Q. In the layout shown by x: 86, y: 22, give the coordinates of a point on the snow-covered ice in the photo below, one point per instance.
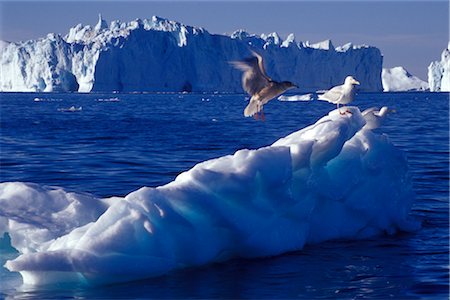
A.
x: 398, y: 79
x: 335, y: 179
x: 40, y: 214
x: 439, y: 73
x: 375, y: 117
x: 161, y: 55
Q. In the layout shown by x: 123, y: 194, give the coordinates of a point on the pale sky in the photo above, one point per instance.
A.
x: 408, y: 33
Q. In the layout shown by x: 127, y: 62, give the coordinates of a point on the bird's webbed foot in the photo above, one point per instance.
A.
x: 345, y: 112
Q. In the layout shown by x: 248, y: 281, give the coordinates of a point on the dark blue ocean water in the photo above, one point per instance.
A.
x: 118, y: 143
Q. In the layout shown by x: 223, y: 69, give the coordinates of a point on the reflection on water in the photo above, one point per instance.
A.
x: 379, y: 268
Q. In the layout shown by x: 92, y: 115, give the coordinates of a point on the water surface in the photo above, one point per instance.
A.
x: 118, y: 143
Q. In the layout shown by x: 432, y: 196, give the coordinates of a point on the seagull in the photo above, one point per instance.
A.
x: 374, y: 117
x: 341, y: 94
x: 258, y: 85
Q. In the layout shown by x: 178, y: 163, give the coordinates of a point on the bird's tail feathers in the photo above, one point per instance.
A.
x: 251, y: 109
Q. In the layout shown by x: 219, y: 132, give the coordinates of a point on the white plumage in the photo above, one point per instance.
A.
x: 341, y: 94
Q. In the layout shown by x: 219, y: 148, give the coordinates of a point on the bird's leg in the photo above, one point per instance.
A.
x: 263, y: 117
x: 341, y: 113
x: 256, y: 115
x: 346, y: 111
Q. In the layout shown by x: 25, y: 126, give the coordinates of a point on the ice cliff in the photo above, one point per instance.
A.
x: 335, y: 179
x: 161, y: 55
x: 439, y: 73
x: 399, y: 79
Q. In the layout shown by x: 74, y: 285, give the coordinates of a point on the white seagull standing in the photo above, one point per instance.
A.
x: 258, y: 85
x: 341, y: 94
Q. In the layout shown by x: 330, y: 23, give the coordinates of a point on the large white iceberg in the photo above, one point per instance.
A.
x: 398, y: 79
x: 161, y: 55
x: 336, y: 179
x: 439, y: 73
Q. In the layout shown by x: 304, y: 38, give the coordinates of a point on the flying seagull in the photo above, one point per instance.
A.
x: 258, y: 85
x: 341, y: 94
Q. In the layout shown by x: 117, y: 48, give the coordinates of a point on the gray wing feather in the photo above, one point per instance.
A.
x: 254, y: 78
x: 261, y: 66
x: 332, y: 95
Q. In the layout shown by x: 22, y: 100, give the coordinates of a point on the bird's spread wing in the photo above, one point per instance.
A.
x: 332, y: 95
x: 261, y: 66
x: 254, y: 78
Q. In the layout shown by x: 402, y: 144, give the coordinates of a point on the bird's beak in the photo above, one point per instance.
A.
x: 356, y: 82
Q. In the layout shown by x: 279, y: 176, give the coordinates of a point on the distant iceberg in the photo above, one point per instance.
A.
x: 161, y: 55
x: 439, y: 73
x: 335, y: 179
x: 398, y: 79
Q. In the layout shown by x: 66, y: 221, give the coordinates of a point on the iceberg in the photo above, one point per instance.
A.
x: 398, y: 79
x: 439, y: 73
x: 335, y: 179
x: 158, y: 55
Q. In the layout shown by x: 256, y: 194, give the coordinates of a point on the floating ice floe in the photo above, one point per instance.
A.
x: 38, y: 99
x: 112, y: 99
x: 334, y: 179
x: 71, y: 109
x: 305, y: 97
